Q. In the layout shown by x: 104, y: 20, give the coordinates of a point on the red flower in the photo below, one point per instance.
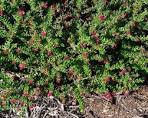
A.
x: 108, y: 96
x: 30, y: 82
x: 22, y: 66
x: 45, y: 5
x: 43, y: 33
x: 97, y: 40
x: 94, y: 33
x: 49, y: 53
x: 49, y: 94
x: 1, y: 13
x: 126, y: 93
x: 13, y: 101
x: 102, y: 17
x: 21, y: 11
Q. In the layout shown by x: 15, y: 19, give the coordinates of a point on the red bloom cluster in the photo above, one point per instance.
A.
x: 1, y: 13
x: 30, y: 82
x: 13, y: 101
x: 21, y: 11
x: 45, y: 5
x: 22, y: 66
x: 49, y: 53
x: 108, y: 96
x: 102, y: 17
x: 43, y: 33
x: 49, y: 94
x: 94, y: 33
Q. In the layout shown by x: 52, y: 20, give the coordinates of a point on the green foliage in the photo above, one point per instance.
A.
x: 55, y: 44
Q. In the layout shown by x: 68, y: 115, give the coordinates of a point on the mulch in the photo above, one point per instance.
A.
x: 135, y: 105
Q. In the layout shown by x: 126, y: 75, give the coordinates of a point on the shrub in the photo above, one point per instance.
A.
x: 71, y: 45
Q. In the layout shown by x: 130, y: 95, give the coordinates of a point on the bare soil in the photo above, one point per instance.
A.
x: 135, y: 105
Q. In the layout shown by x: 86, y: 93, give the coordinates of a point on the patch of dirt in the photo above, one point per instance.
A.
x: 135, y: 105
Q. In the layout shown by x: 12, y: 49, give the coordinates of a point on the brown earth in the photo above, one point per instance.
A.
x: 135, y: 105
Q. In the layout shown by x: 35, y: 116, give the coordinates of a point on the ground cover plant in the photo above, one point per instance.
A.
x: 62, y: 47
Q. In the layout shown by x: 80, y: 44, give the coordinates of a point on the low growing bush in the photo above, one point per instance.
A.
x: 71, y: 47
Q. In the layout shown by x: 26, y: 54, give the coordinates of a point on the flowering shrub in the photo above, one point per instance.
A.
x: 71, y: 47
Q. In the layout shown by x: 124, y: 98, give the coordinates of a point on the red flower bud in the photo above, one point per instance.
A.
x: 126, y: 93
x: 1, y: 13
x: 94, y: 33
x: 21, y: 12
x: 22, y: 66
x: 97, y: 41
x: 108, y: 96
x: 45, y: 5
x: 49, y: 94
x: 102, y: 17
x: 13, y: 101
x: 49, y: 53
x: 43, y: 33
x: 30, y: 82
